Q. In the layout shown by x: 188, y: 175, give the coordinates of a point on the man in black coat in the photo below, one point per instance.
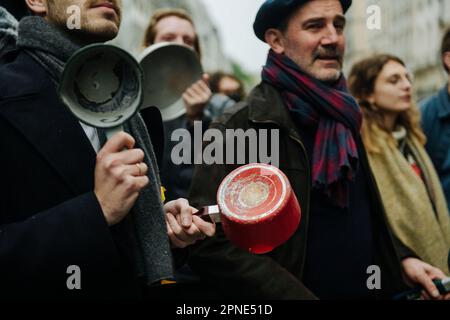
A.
x: 66, y: 202
x: 343, y: 235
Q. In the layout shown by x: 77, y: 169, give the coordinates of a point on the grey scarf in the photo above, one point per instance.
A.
x: 8, y: 30
x: 146, y: 232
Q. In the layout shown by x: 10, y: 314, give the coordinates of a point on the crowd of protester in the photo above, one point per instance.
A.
x: 369, y: 166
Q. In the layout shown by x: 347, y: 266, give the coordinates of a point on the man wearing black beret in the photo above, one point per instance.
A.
x: 343, y: 232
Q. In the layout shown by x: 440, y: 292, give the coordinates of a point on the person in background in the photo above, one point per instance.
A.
x: 435, y: 115
x: 227, y: 90
x: 410, y: 189
x: 176, y: 26
x: 227, y: 84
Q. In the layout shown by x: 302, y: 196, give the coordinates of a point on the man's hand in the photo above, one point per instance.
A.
x: 420, y: 273
x: 119, y: 177
x: 183, y: 227
x: 196, y: 97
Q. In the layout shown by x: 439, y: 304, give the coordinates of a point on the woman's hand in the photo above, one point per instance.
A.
x: 420, y: 273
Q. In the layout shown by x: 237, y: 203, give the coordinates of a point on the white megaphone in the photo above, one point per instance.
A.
x: 169, y: 69
x: 102, y: 86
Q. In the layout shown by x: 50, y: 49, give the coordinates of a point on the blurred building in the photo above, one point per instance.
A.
x: 410, y: 29
x: 136, y: 17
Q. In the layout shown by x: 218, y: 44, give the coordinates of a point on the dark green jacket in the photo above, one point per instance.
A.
x: 277, y: 275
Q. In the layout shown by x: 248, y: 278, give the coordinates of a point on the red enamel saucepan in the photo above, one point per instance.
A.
x: 257, y: 208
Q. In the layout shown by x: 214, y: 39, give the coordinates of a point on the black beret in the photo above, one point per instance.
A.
x: 273, y: 12
x: 18, y: 8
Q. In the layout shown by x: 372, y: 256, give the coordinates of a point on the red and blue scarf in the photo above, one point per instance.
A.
x: 335, y: 114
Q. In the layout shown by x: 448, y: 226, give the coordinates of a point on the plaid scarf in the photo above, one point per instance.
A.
x: 335, y: 114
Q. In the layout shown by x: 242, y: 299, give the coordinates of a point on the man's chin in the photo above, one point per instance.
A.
x: 102, y: 33
x: 328, y: 75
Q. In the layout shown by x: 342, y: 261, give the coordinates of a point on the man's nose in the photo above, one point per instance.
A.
x: 330, y: 36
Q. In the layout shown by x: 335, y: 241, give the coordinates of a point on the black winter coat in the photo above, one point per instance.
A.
x: 50, y: 218
x: 278, y: 275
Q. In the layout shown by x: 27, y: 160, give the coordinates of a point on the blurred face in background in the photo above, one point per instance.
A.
x: 100, y: 19
x: 231, y: 88
x: 176, y: 30
x: 393, y: 89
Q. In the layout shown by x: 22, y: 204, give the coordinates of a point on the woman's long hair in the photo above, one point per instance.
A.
x: 362, y: 84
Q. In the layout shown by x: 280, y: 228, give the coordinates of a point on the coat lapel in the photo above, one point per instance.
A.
x: 56, y: 134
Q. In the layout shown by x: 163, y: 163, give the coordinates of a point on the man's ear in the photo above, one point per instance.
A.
x: 275, y: 40
x: 446, y: 59
x: 38, y: 7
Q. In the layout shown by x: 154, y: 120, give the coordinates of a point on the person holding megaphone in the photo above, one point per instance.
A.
x: 68, y: 202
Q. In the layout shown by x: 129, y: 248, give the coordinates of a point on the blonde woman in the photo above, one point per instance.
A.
x: 410, y: 189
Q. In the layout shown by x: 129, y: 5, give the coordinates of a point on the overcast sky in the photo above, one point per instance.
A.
x: 234, y: 20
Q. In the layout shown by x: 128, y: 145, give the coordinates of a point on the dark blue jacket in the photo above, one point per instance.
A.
x: 436, y: 125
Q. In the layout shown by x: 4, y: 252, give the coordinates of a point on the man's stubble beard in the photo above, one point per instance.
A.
x: 315, y: 72
x: 89, y: 33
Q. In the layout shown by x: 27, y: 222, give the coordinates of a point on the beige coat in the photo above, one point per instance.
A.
x: 417, y: 211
